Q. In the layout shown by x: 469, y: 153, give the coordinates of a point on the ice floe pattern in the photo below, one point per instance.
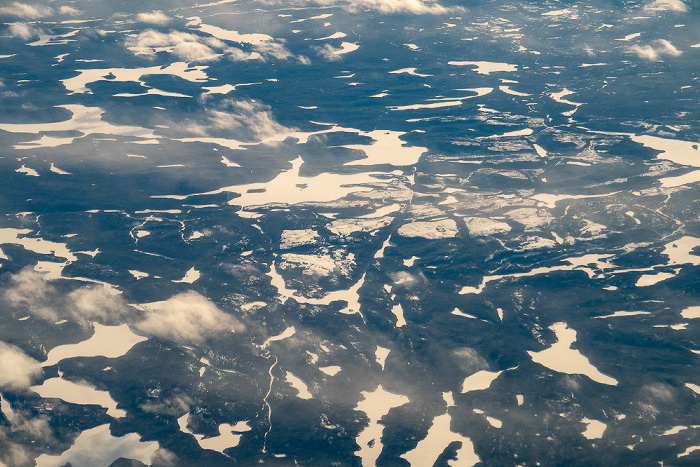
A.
x: 349, y: 233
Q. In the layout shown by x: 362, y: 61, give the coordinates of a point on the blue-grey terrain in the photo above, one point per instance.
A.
x: 349, y: 233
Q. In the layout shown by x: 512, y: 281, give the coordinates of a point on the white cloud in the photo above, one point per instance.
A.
x: 666, y: 5
x: 405, y: 278
x: 254, y: 116
x: 656, y: 51
x: 23, y: 30
x: 645, y: 51
x: 30, y: 430
x: 68, y: 10
x: 263, y: 46
x: 238, y: 55
x: 96, y: 303
x: 15, y: 454
x: 145, y: 42
x: 29, y: 291
x: 174, y: 406
x: 16, y: 368
x: 196, y: 47
x: 660, y: 391
x: 163, y: 457
x: 469, y: 360
x: 186, y: 318
x: 195, y: 52
x: 272, y: 49
x: 26, y: 11
x: 329, y: 52
x: 154, y: 17
x: 241, y: 120
x: 190, y: 47
x: 417, y: 7
x: 36, y: 427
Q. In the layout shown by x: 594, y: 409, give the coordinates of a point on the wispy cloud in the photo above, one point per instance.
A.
x: 17, y: 369
x: 257, y: 118
x: 187, y: 46
x: 203, y: 46
x: 22, y: 10
x: 666, y: 5
x: 97, y: 303
x: 173, y: 406
x: 27, y: 428
x: 243, y: 120
x: 164, y: 457
x: 195, y: 52
x: 154, y: 17
x: 329, y: 52
x: 29, y: 291
x: 186, y: 318
x: 272, y: 49
x: 469, y: 360
x: 656, y: 51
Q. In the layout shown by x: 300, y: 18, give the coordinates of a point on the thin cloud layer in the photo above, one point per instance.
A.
x: 23, y: 10
x: 17, y: 369
x: 186, y: 318
x: 655, y: 52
